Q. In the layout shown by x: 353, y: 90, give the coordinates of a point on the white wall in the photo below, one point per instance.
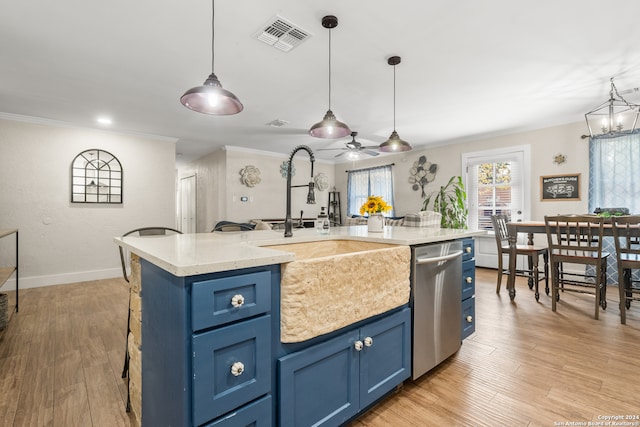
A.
x: 220, y: 189
x: 544, y: 143
x: 63, y: 242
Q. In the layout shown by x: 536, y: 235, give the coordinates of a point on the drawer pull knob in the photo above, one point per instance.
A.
x: 358, y: 345
x: 468, y: 249
x: 469, y: 319
x: 237, y: 300
x: 368, y: 341
x: 237, y: 369
x: 469, y: 279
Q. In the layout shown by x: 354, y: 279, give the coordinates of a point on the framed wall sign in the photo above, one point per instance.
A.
x: 560, y: 187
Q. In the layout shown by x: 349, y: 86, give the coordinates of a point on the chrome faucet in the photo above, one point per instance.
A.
x: 311, y: 198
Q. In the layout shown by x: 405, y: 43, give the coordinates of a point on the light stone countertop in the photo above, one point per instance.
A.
x: 191, y: 254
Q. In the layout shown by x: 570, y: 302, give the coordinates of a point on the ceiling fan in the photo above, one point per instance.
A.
x: 353, y: 148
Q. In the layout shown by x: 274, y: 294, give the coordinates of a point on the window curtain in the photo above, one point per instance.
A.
x: 614, y: 182
x: 614, y: 172
x: 362, y: 183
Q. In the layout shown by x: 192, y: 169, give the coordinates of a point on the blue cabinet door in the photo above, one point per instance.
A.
x: 319, y: 385
x: 468, y: 317
x: 385, y: 360
x: 468, y: 279
x: 231, y: 366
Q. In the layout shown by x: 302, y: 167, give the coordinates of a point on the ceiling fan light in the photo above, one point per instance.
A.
x: 329, y: 127
x: 211, y: 98
x: 394, y: 144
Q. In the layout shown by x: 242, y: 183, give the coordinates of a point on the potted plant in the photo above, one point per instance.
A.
x: 450, y: 202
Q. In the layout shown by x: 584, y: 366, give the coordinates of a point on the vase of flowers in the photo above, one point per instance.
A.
x: 374, y: 207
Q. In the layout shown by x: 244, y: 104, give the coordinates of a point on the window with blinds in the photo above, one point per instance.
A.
x: 362, y: 183
x: 495, y: 183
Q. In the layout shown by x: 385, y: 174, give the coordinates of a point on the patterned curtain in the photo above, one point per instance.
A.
x: 614, y: 172
x: 363, y: 183
x: 614, y: 181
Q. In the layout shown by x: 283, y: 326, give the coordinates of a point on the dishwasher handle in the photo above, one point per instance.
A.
x: 431, y: 260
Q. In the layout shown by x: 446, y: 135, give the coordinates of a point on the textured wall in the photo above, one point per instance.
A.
x: 63, y: 242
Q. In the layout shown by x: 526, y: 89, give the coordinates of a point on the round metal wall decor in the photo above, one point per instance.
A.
x: 421, y: 173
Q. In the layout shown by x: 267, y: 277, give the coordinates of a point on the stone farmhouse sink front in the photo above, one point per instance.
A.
x: 334, y: 283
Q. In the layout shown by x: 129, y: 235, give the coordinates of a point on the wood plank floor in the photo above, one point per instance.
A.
x: 61, y: 359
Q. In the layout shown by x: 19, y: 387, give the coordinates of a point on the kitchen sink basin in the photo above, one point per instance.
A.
x: 334, y: 283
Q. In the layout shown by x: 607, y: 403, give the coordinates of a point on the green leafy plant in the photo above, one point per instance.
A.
x: 450, y: 202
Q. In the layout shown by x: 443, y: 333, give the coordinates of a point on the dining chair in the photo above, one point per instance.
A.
x: 226, y: 226
x: 532, y: 253
x: 144, y: 231
x: 626, y: 234
x: 576, y: 240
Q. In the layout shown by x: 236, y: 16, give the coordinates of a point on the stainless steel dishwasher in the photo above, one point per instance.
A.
x: 436, y: 292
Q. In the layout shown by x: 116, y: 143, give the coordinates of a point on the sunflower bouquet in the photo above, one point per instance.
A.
x: 373, y: 205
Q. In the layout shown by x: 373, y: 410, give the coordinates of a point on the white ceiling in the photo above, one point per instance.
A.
x: 469, y: 68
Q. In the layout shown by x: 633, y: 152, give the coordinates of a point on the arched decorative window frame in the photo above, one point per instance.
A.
x: 96, y: 177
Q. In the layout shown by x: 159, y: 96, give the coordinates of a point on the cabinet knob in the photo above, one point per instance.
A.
x: 470, y: 319
x: 468, y: 249
x: 358, y: 345
x: 469, y: 279
x: 368, y: 341
x: 237, y: 369
x: 237, y: 300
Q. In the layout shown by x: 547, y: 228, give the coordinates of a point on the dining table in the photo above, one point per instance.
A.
x: 538, y: 227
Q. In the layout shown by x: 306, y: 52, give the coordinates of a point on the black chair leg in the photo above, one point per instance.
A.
x: 125, y: 368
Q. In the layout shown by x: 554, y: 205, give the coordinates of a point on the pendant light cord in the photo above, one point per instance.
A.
x: 394, y: 98
x: 213, y: 14
x: 329, y: 68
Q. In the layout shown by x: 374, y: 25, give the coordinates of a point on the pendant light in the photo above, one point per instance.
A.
x: 211, y: 98
x: 329, y: 127
x: 612, y: 112
x: 394, y: 143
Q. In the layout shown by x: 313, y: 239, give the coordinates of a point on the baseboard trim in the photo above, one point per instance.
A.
x: 60, y: 279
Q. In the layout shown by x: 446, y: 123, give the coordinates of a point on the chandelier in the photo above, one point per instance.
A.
x: 611, y: 114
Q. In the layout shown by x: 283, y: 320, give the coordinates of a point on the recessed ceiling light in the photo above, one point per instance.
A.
x: 104, y: 120
x: 277, y: 123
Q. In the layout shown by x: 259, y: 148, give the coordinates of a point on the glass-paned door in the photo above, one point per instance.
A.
x: 497, y: 182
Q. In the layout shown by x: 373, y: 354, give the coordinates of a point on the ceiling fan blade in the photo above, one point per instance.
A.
x: 340, y: 154
x: 370, y: 152
x: 371, y: 147
x: 330, y: 149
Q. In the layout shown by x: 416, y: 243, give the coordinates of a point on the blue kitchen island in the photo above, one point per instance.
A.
x: 212, y: 350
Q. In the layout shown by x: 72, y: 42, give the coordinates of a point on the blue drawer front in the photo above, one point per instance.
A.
x: 319, y: 385
x: 212, y: 300
x: 468, y: 317
x: 468, y: 250
x: 468, y: 279
x: 255, y: 414
x: 216, y: 390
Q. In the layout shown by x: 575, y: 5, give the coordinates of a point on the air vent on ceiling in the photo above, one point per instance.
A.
x: 282, y: 34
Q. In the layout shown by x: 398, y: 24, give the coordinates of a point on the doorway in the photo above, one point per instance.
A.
x: 497, y: 182
x: 188, y: 204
